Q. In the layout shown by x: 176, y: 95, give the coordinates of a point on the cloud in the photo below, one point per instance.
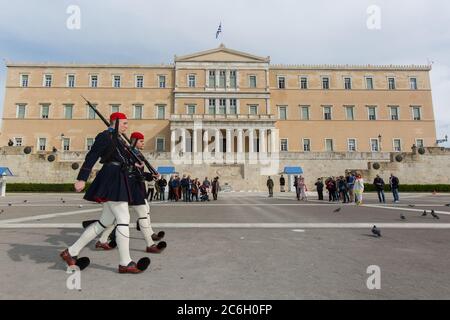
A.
x: 290, y: 31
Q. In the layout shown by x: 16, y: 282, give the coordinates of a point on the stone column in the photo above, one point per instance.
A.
x: 273, y: 141
x: 217, y: 141
x: 172, y: 140
x: 194, y: 141
x: 240, y: 153
x: 229, y: 154
x: 251, y: 146
x: 205, y: 141
x: 262, y: 141
x: 183, y: 140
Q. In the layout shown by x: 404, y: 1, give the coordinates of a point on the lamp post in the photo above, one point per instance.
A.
x: 379, y: 139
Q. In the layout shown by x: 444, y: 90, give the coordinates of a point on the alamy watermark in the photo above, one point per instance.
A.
x: 73, y: 22
x: 374, y: 280
x: 73, y: 282
x: 374, y: 19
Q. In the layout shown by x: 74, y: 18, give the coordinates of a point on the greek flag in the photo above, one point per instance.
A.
x: 219, y: 30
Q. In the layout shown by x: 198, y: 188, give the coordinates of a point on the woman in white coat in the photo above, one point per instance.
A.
x: 358, y: 189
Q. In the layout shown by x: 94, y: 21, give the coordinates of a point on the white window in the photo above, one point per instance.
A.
x: 233, y: 78
x: 233, y: 106
x: 116, y: 81
x: 138, y: 112
x: 329, y: 146
x: 327, y: 113
x: 419, y: 143
x: 91, y: 113
x: 413, y: 83
x: 94, y: 81
x: 397, y: 145
x: 372, y: 112
x: 42, y: 144
x: 24, y: 80
x: 283, y: 144
x: 325, y: 83
x: 351, y: 143
x: 71, y: 80
x: 191, y: 80
x: 391, y: 83
x: 222, y: 78
x: 394, y: 112
x: 281, y: 82
x: 115, y: 108
x: 45, y: 110
x: 252, y: 81
x: 306, y: 145
x: 162, y: 81
x: 160, y: 144
x: 161, y: 112
x: 139, y: 81
x: 253, y: 110
x: 18, y: 142
x: 68, y: 111
x: 303, y: 82
x: 66, y: 144
x: 347, y: 83
x: 191, y: 109
x: 222, y: 106
x: 369, y: 83
x: 212, y: 106
x: 48, y: 80
x: 305, y: 112
x: 374, y: 145
x: 416, y: 113
x: 282, y: 113
x: 212, y: 79
x: 350, y: 112
x: 89, y: 143
x: 21, y: 109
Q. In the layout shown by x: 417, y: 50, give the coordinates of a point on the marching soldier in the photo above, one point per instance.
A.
x: 139, y: 204
x: 111, y: 188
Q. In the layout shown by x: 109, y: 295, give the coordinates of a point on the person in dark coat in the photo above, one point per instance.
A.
x: 319, y: 188
x: 162, y: 188
x: 282, y: 183
x: 139, y: 203
x: 378, y: 182
x: 270, y: 187
x: 215, y: 187
x: 111, y: 187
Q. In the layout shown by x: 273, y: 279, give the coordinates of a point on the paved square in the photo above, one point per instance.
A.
x: 243, y: 246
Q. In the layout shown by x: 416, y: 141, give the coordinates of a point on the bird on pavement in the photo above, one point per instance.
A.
x: 411, y: 205
x: 424, y: 214
x: 447, y: 205
x: 434, y: 214
x: 376, y: 231
x: 9, y: 204
x: 1, y: 211
x: 337, y: 210
x: 402, y: 216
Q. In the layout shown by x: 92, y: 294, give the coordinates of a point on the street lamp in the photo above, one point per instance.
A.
x: 379, y: 139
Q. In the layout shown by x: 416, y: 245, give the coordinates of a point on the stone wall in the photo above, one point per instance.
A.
x: 432, y: 167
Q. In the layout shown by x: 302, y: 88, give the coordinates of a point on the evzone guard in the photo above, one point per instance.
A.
x: 111, y: 187
x: 139, y: 204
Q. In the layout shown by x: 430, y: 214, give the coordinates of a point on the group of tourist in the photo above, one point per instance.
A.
x: 348, y: 188
x: 183, y: 188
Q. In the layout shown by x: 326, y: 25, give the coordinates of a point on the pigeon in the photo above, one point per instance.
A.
x: 402, y: 216
x: 80, y: 206
x: 434, y: 214
x: 9, y: 204
x: 25, y: 201
x: 1, y: 211
x: 447, y: 205
x: 411, y: 205
x: 424, y: 214
x: 376, y: 231
x: 337, y: 210
x: 64, y: 201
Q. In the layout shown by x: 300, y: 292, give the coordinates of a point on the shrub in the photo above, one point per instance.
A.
x: 40, y: 187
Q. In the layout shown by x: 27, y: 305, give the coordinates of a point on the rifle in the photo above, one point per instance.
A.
x: 136, y: 158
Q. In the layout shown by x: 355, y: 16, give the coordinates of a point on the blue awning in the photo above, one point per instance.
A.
x: 166, y: 170
x: 5, y: 171
x: 293, y: 170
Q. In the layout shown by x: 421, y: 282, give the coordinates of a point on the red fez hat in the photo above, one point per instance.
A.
x: 137, y: 136
x: 117, y: 115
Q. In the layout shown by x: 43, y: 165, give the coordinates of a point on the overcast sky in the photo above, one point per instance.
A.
x: 290, y: 31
